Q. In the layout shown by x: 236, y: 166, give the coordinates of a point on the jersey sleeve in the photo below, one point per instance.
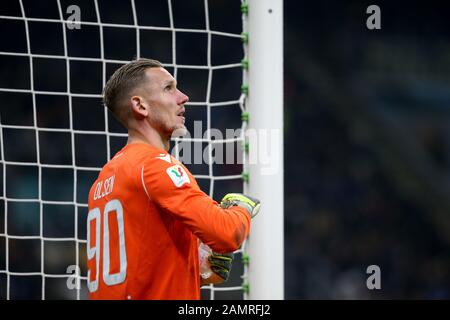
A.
x: 171, y: 187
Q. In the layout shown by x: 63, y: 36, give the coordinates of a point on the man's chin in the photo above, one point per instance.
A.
x: 179, y: 132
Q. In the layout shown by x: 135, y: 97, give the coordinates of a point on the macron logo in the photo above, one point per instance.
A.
x: 165, y: 157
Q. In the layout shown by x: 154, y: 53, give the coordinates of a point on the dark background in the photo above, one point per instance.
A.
x: 367, y: 140
x: 367, y: 149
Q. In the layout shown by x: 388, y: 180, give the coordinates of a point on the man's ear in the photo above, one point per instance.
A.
x: 139, y: 107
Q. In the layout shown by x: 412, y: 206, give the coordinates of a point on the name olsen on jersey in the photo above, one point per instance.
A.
x: 104, y: 187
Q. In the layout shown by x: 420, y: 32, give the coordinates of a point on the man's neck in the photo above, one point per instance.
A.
x: 151, y: 137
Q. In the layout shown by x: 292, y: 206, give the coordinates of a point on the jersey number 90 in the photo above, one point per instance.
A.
x: 94, y: 250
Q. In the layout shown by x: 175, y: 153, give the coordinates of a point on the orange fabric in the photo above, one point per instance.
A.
x: 162, y: 223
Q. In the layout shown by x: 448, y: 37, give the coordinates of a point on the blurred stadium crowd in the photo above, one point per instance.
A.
x: 367, y: 150
x: 367, y: 140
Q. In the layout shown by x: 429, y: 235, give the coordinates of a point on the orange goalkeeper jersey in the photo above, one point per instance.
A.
x: 146, y: 214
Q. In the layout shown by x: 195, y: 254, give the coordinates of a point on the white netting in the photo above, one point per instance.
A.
x: 53, y: 128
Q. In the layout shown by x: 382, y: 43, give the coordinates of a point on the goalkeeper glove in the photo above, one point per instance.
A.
x: 220, y: 264
x: 252, y: 205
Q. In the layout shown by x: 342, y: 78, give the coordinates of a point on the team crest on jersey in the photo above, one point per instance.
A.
x: 178, y: 175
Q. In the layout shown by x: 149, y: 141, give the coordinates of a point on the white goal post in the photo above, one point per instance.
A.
x: 265, y: 106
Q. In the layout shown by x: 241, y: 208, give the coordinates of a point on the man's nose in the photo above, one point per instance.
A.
x: 183, y: 98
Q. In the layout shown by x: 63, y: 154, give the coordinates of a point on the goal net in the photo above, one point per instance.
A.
x: 55, y: 135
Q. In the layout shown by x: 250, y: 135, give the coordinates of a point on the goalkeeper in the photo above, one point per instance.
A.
x: 147, y: 215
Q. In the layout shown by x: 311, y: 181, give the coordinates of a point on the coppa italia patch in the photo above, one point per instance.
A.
x: 178, y: 175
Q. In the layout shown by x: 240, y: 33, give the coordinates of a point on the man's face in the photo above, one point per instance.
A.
x: 166, y: 102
